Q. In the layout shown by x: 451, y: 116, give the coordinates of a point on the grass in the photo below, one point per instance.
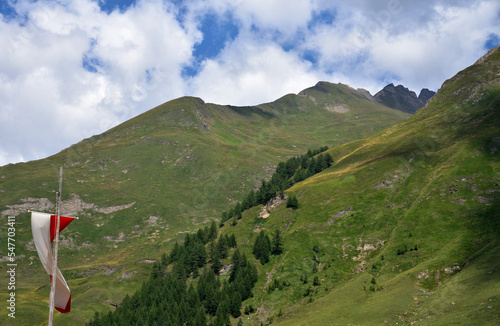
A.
x: 183, y: 162
x: 381, y: 231
x: 419, y: 200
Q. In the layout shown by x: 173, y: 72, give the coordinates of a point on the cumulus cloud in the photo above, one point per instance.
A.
x: 385, y: 44
x: 285, y: 16
x: 76, y: 71
x: 251, y: 71
x: 73, y: 70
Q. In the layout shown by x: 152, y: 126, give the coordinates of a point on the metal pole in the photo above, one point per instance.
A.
x: 56, y: 248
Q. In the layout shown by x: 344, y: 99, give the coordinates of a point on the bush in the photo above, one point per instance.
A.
x: 292, y: 202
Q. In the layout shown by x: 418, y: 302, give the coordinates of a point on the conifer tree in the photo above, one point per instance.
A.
x: 222, y: 247
x: 262, y: 247
x: 292, y: 202
x: 234, y: 304
x: 236, y: 261
x: 216, y: 262
x: 232, y: 241
x: 200, y: 318
x: 222, y: 315
x: 277, y: 245
x: 212, y: 232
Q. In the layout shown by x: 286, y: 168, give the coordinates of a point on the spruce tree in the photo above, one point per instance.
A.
x: 262, y: 247
x: 292, y: 202
x: 277, y: 248
x: 232, y: 241
x: 235, y: 304
x: 222, y: 315
x: 212, y: 232
x: 216, y: 262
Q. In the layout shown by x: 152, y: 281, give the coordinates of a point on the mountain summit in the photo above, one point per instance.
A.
x: 401, y: 98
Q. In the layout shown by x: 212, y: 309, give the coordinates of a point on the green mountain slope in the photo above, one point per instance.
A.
x: 139, y: 186
x: 403, y: 228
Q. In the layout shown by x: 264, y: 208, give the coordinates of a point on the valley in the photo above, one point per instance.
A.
x: 402, y: 228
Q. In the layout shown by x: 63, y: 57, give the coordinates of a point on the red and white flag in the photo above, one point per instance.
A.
x: 44, y: 226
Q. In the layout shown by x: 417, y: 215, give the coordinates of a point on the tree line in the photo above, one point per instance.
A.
x: 286, y: 175
x: 167, y: 299
x: 184, y: 288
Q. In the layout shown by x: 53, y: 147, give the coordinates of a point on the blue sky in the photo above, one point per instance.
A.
x: 76, y: 68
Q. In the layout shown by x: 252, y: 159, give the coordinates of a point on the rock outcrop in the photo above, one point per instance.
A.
x: 401, y: 98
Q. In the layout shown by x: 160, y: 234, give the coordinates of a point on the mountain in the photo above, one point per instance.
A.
x: 401, y: 98
x: 401, y: 229
x: 139, y: 187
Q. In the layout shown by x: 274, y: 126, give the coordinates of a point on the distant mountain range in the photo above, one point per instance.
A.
x: 401, y: 98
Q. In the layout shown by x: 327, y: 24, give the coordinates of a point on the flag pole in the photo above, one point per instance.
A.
x: 56, y: 248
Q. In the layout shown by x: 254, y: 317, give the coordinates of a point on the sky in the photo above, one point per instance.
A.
x: 70, y: 69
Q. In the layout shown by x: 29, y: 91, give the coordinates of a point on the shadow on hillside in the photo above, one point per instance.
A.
x: 248, y: 111
x: 486, y: 223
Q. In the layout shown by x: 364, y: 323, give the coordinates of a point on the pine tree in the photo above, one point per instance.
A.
x: 232, y: 241
x: 216, y: 262
x: 156, y: 271
x: 292, y: 202
x: 262, y: 247
x: 212, y: 232
x: 301, y: 174
x: 200, y: 318
x: 222, y: 247
x: 236, y: 261
x: 277, y: 248
x: 222, y: 315
x: 235, y: 304
x: 329, y: 159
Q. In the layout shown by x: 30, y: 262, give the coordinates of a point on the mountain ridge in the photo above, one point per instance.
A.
x: 401, y: 98
x: 141, y: 185
x: 392, y: 219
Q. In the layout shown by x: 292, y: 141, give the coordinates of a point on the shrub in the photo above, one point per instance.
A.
x: 292, y: 202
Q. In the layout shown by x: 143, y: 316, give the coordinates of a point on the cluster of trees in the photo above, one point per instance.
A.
x: 193, y: 255
x: 221, y: 299
x: 163, y: 300
x: 166, y: 299
x: 287, y: 174
x: 263, y: 247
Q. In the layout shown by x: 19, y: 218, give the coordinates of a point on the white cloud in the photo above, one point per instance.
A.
x: 378, y: 48
x: 138, y: 56
x: 427, y: 56
x: 252, y: 71
x: 134, y: 59
x: 283, y: 15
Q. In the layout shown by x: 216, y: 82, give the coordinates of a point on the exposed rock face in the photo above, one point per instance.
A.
x: 70, y: 207
x: 401, y: 98
x: 271, y: 205
x: 425, y: 95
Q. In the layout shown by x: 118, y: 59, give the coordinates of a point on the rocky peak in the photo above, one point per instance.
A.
x: 425, y: 95
x: 401, y: 98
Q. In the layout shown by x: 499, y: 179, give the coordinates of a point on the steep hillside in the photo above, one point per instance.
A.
x: 139, y: 186
x: 402, y: 229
